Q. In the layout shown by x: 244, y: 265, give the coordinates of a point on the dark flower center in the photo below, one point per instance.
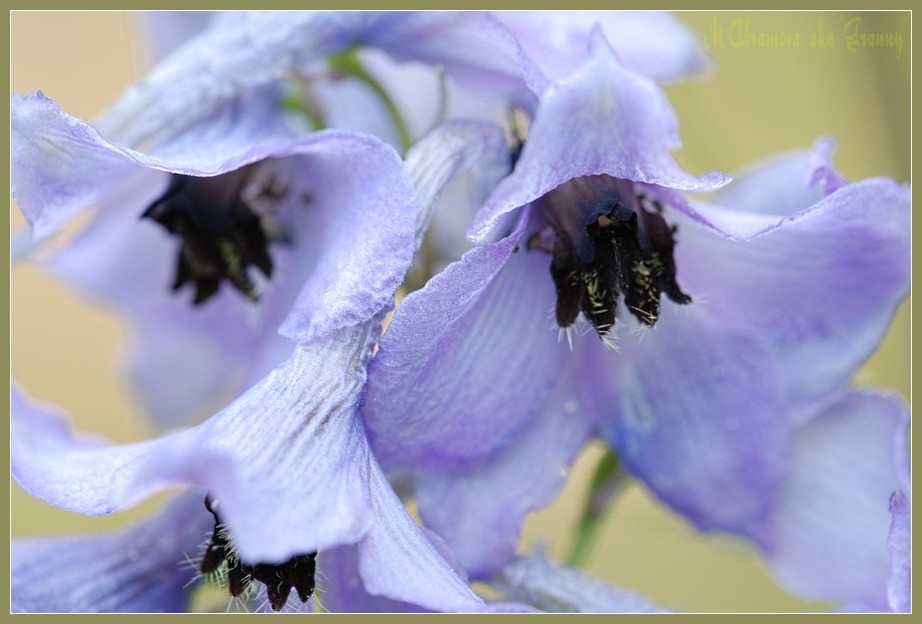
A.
x: 605, y: 242
x: 279, y: 579
x: 221, y: 235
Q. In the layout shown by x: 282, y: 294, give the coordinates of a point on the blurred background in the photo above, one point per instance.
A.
x: 759, y: 100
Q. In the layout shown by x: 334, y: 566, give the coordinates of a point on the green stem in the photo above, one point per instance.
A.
x: 296, y: 101
x: 606, y: 483
x: 347, y: 63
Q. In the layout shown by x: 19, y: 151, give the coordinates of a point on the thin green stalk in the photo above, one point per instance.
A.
x: 347, y: 63
x: 606, y: 482
x: 295, y: 101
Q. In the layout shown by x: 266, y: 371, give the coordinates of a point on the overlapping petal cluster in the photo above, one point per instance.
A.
x: 729, y: 397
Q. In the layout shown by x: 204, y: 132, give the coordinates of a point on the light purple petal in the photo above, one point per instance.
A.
x: 233, y: 57
x: 462, y: 343
x: 556, y: 588
x: 472, y: 47
x: 181, y: 358
x: 479, y: 506
x: 364, y: 234
x: 651, y: 43
x: 821, y: 285
x: 253, y: 50
x: 60, y: 165
x: 167, y: 30
x: 601, y: 119
x: 899, y: 541
x: 141, y: 569
x: 288, y: 461
x: 342, y: 219
x: 449, y: 151
x: 832, y: 519
x: 701, y: 421
x: 343, y: 590
x: 785, y: 184
x: 396, y: 560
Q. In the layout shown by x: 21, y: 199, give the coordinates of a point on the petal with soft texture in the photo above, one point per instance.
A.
x: 61, y: 165
x: 367, y: 218
x: 140, y: 569
x: 343, y: 591
x: 288, y: 461
x: 464, y: 343
x: 450, y: 150
x: 342, y: 219
x: 820, y: 286
x: 478, y: 506
x: 700, y: 419
x: 167, y: 30
x: 252, y: 50
x: 784, y: 185
x: 556, y: 588
x: 832, y: 520
x: 651, y: 43
x: 397, y: 560
x: 602, y: 119
x: 899, y: 541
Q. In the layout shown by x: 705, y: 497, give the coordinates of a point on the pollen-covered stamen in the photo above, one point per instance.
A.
x: 609, y: 244
x: 221, y: 235
x: 296, y: 573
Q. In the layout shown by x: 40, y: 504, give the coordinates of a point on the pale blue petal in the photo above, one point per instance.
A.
x: 288, y: 461
x: 899, y: 541
x: 253, y: 50
x: 145, y: 568
x: 364, y: 233
x: 602, y: 119
x: 556, y: 588
x: 61, y: 165
x: 396, y: 560
x: 832, y: 516
x: 819, y: 286
x: 451, y: 150
x: 651, y: 43
x: 167, y: 30
x: 700, y: 419
x: 473, y: 48
x: 785, y: 184
x: 464, y: 343
x: 524, y: 475
x: 342, y: 221
x: 343, y: 590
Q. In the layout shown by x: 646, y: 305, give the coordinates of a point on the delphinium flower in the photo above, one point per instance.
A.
x: 345, y: 204
x: 243, y: 198
x: 713, y: 395
x: 530, y: 437
x: 227, y: 86
x: 286, y: 467
x: 212, y: 332
x: 247, y: 218
x: 241, y: 52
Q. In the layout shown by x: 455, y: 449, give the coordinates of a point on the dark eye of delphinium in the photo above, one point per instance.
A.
x: 606, y: 242
x: 221, y: 558
x: 221, y: 236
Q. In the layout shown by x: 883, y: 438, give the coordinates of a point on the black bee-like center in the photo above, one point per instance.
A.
x: 279, y: 579
x: 627, y: 251
x: 220, y: 235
